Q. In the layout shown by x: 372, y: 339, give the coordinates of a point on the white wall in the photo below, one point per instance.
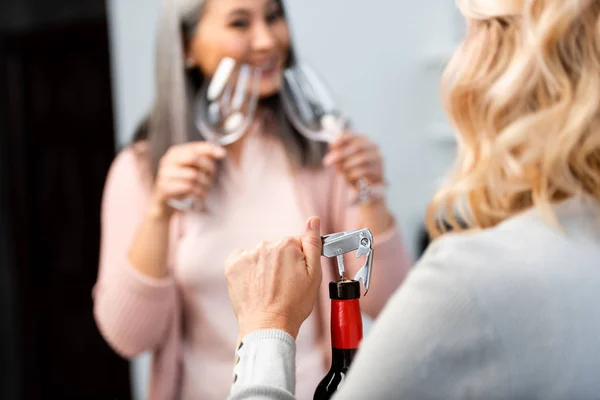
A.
x: 383, y: 58
x: 132, y: 29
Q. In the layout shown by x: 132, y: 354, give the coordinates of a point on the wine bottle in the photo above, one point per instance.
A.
x: 346, y: 334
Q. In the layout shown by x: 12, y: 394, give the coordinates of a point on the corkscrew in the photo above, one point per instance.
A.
x: 338, y: 244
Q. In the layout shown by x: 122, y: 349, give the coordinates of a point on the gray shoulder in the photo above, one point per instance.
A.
x: 538, y: 286
x: 525, y: 266
x: 525, y: 242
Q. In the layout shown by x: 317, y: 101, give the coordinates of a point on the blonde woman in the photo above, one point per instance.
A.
x: 161, y: 285
x: 506, y: 307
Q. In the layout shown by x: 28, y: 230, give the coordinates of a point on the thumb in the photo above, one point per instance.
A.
x: 311, y: 243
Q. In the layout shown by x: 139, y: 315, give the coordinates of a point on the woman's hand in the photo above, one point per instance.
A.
x: 357, y: 158
x: 185, y: 170
x: 275, y: 285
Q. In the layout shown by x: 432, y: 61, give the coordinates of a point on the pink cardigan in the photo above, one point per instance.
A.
x: 136, y: 313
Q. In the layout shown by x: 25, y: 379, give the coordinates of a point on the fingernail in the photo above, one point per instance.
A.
x: 315, y: 223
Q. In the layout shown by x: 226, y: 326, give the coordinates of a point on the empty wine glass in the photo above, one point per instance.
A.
x: 224, y: 108
x: 313, y: 111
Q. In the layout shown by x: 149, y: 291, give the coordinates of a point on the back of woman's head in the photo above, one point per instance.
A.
x: 523, y: 92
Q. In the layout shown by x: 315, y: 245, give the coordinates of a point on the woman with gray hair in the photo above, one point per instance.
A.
x: 161, y: 284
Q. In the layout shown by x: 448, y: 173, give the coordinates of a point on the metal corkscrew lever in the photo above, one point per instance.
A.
x: 338, y: 244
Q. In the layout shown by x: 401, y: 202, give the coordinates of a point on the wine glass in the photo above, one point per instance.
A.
x: 313, y: 111
x: 224, y: 108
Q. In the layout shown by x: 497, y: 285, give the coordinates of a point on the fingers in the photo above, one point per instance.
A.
x: 189, y: 179
x: 347, y: 148
x: 182, y: 173
x: 180, y: 190
x: 233, y: 257
x: 312, y: 245
x: 371, y: 174
x: 342, y: 140
x: 367, y: 165
x: 206, y: 155
x: 188, y: 169
x: 207, y: 165
x: 356, y: 158
x: 208, y: 150
x: 362, y: 159
x: 200, y: 157
x: 231, y: 261
x: 239, y: 262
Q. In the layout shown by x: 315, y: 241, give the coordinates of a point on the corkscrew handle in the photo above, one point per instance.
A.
x: 338, y: 244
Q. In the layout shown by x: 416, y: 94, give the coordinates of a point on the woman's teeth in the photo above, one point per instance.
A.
x: 268, y: 65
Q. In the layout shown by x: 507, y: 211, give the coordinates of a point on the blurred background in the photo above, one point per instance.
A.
x: 75, y: 80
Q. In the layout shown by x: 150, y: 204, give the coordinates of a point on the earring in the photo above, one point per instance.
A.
x: 190, y: 63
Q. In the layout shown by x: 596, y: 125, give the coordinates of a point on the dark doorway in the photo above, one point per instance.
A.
x: 57, y: 142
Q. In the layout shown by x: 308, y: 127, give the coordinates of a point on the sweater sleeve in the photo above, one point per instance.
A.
x: 265, y: 366
x: 392, y: 261
x: 132, y: 310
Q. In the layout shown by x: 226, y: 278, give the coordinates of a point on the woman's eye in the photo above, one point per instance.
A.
x: 239, y: 24
x: 274, y: 15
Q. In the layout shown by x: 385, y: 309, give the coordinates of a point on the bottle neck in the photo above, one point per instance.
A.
x: 346, y: 324
x: 342, y: 358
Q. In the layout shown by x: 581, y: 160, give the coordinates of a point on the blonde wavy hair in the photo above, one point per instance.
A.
x: 523, y: 92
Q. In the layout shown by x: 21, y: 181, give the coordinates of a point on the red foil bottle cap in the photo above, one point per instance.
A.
x: 346, y: 318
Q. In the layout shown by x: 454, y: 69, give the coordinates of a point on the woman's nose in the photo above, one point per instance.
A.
x: 263, y: 38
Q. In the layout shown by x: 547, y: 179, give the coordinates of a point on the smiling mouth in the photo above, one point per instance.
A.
x: 269, y: 67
